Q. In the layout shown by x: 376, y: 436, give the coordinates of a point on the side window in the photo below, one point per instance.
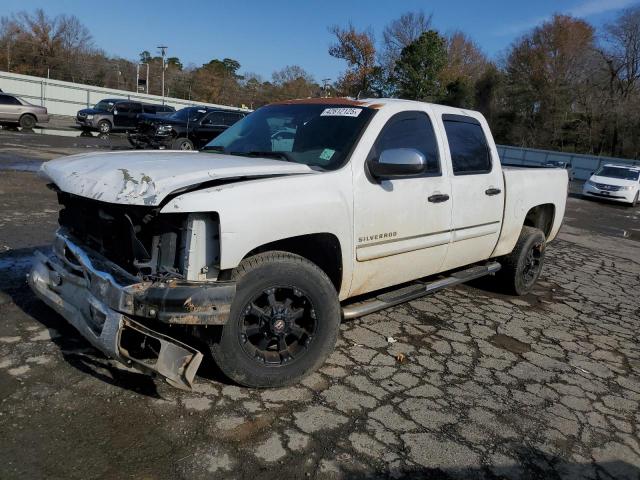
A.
x: 215, y: 118
x: 470, y: 152
x: 231, y: 118
x: 135, y: 107
x: 8, y: 100
x: 122, y: 108
x: 410, y: 130
x: 149, y: 109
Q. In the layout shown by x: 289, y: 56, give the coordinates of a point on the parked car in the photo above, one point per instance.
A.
x: 16, y: 110
x: 619, y: 183
x: 255, y: 253
x: 186, y: 129
x: 560, y: 164
x: 114, y: 114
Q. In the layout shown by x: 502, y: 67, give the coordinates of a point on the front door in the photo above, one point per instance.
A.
x: 477, y: 187
x: 401, y: 226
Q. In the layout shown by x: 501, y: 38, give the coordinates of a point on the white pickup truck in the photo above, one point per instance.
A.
x: 302, y: 214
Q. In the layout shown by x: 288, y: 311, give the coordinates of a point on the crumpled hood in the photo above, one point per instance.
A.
x: 147, y: 177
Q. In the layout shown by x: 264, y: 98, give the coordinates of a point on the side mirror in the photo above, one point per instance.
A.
x: 398, y: 162
x: 115, y: 112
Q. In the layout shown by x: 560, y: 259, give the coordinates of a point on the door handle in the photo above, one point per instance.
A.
x: 492, y: 191
x: 438, y: 198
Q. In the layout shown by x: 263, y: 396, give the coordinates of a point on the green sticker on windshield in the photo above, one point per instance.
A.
x: 326, y: 154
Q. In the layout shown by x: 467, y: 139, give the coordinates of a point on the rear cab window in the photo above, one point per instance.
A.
x: 470, y: 153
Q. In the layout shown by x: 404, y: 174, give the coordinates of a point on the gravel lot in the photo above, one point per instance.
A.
x: 491, y: 386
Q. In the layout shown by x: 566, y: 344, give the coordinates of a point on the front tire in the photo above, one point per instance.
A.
x: 104, y: 126
x: 635, y: 200
x: 522, y: 267
x: 182, y: 143
x: 283, y: 324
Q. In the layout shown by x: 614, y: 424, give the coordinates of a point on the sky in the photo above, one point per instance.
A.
x: 266, y: 35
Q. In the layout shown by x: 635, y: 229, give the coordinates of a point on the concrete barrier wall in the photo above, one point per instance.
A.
x: 66, y: 98
x: 582, y: 165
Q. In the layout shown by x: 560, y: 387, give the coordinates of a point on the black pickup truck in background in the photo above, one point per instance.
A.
x: 187, y: 129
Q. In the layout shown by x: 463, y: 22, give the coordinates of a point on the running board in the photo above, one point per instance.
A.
x: 416, y: 290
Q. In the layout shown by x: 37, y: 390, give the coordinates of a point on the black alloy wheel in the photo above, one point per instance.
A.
x: 283, y: 324
x: 532, y: 264
x: 278, y: 326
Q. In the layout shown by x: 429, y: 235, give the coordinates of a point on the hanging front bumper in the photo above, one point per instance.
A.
x: 99, y: 299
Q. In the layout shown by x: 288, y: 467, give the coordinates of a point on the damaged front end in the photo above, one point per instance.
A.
x: 122, y: 275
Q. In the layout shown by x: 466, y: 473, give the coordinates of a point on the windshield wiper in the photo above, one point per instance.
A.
x: 268, y: 154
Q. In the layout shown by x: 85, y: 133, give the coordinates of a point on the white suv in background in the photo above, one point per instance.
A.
x: 614, y: 182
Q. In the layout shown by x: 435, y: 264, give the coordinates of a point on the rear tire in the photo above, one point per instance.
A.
x: 27, y: 121
x: 283, y: 324
x: 522, y: 267
x: 182, y: 143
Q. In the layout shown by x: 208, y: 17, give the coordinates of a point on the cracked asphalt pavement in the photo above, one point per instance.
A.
x: 466, y: 383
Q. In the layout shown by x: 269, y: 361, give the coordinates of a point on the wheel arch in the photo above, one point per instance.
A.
x: 323, y: 249
x: 541, y: 217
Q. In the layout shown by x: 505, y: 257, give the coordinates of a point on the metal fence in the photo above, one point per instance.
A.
x: 66, y: 98
x: 581, y: 165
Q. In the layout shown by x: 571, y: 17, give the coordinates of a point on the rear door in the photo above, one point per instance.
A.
x: 402, y: 226
x: 121, y: 114
x: 477, y: 187
x: 125, y: 114
x: 10, y: 108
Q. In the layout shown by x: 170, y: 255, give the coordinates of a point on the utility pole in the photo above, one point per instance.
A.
x: 10, y: 37
x: 163, y: 51
x: 325, y: 87
x: 146, y: 84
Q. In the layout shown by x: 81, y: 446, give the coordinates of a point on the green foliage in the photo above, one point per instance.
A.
x: 145, y: 56
x: 459, y: 93
x: 418, y: 68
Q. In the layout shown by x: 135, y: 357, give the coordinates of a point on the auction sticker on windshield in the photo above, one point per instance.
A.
x: 341, y: 112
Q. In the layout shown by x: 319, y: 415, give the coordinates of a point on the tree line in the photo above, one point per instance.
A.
x: 62, y: 48
x: 564, y: 85
x: 561, y: 86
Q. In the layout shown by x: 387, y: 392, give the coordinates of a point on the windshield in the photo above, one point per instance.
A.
x: 104, y: 106
x: 618, y: 172
x: 312, y: 134
x: 189, y: 114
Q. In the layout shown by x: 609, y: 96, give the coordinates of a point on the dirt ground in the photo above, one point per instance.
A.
x: 542, y: 386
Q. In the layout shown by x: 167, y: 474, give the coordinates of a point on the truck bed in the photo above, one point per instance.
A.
x: 526, y: 188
